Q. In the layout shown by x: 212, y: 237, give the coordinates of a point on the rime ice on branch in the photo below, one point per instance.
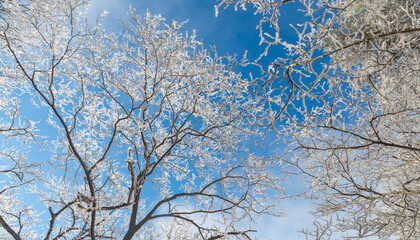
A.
x: 138, y: 135
x: 350, y: 109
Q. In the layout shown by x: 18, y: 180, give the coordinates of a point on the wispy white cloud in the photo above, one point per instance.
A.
x: 288, y: 227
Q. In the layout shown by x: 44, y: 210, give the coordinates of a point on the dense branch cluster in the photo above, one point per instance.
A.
x: 136, y: 135
x: 350, y: 108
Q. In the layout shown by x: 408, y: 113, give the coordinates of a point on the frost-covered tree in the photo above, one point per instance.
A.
x: 138, y: 135
x: 349, y: 100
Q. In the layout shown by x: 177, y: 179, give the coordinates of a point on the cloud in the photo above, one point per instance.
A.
x: 286, y: 228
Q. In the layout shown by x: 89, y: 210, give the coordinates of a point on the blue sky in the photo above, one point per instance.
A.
x: 228, y: 31
x: 232, y: 32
